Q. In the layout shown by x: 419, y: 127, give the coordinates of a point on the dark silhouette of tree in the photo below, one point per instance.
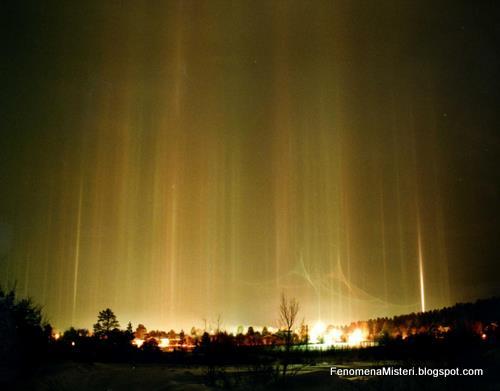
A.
x: 304, y: 333
x: 171, y: 334
x: 219, y: 324
x: 75, y: 341
x: 140, y: 331
x: 106, y: 322
x: 250, y: 336
x: 73, y: 334
x: 205, y: 341
x: 150, y: 346
x: 289, y: 309
x: 182, y: 338
x: 129, y: 332
x: 240, y: 339
x: 24, y: 335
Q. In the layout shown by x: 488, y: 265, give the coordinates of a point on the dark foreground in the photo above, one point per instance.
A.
x: 466, y: 336
x: 70, y: 375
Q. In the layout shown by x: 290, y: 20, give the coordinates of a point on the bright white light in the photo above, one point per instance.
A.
x: 138, y: 342
x: 317, y: 332
x: 355, y: 338
x: 333, y: 336
x: 336, y: 334
x: 163, y: 343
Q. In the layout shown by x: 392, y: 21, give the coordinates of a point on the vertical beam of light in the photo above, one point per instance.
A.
x: 384, y: 245
x: 418, y: 217
x: 399, y: 218
x: 172, y: 255
x: 329, y: 182
x: 77, y: 253
x: 438, y: 204
x: 347, y: 245
x: 339, y: 167
x: 47, y: 248
x: 233, y: 216
x: 283, y: 165
x: 179, y: 80
x: 230, y: 153
x: 420, y: 266
x: 417, y: 209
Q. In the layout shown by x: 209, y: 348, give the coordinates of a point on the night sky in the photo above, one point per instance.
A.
x: 176, y: 160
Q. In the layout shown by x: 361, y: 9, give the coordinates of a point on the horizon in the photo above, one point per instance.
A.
x: 232, y: 329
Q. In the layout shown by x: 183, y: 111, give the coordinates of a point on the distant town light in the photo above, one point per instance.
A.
x: 164, y: 342
x: 355, y: 338
x: 138, y: 342
x: 317, y: 332
x: 333, y: 336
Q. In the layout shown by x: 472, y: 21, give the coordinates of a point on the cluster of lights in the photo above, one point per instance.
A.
x: 320, y: 334
x: 355, y: 338
x: 163, y: 343
x: 138, y: 342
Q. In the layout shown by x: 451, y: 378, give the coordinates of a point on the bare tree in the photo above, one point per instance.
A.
x: 219, y: 323
x: 289, y: 309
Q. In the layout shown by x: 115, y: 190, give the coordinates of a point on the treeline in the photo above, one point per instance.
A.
x: 477, y: 320
x: 466, y: 330
x: 26, y: 337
